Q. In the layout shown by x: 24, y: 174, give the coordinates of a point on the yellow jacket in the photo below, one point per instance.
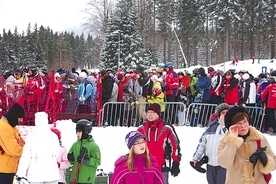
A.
x: 157, y: 99
x: 11, y: 147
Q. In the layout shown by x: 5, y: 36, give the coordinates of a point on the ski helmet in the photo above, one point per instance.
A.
x: 169, y: 65
x: 180, y: 73
x: 84, y: 126
x: 273, y: 73
x: 157, y: 91
x: 33, y: 69
x: 7, y: 73
x: 195, y: 71
x: 272, y: 78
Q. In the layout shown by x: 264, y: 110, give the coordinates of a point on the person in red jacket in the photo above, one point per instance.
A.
x: 230, y: 89
x: 138, y: 166
x: 170, y: 89
x: 162, y: 141
x: 268, y: 96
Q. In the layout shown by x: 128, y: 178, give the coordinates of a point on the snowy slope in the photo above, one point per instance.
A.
x: 111, y: 141
x: 255, y: 69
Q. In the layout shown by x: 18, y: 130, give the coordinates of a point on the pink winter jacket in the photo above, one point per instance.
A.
x: 140, y: 174
x: 63, y: 163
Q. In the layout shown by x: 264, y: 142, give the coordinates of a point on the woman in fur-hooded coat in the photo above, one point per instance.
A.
x: 236, y: 147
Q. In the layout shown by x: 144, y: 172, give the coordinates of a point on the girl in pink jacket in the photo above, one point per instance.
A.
x: 62, y: 160
x: 138, y: 166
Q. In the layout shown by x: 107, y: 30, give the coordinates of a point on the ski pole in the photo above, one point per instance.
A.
x: 76, y: 174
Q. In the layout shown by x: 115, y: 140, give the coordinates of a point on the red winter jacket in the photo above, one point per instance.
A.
x: 269, y: 96
x: 161, y: 138
x: 232, y: 91
x: 172, y: 82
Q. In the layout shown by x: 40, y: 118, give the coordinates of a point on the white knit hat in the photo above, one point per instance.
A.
x: 83, y: 75
x: 245, y: 76
x: 41, y: 119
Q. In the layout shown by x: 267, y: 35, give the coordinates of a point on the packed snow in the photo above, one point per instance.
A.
x: 111, y: 141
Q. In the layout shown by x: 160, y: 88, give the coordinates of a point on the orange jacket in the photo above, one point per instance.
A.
x: 11, y: 147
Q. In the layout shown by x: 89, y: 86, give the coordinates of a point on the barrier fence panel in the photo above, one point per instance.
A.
x: 44, y: 93
x: 256, y: 116
x: 126, y: 114
x: 198, y: 114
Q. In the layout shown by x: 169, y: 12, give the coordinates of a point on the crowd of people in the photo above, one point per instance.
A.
x: 78, y: 92
x: 228, y: 144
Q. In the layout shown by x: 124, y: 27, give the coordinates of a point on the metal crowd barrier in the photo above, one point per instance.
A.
x: 176, y: 113
x: 126, y: 114
x: 198, y: 115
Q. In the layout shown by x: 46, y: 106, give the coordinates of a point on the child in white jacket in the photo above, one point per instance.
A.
x: 38, y: 162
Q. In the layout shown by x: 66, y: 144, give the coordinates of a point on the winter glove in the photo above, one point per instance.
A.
x: 197, y: 166
x: 223, y: 94
x: 199, y: 95
x: 165, y: 88
x: 70, y: 157
x: 133, y: 103
x: 175, y: 169
x: 254, y: 157
x: 21, y: 179
x: 81, y: 99
x: 263, y: 158
x: 82, y: 158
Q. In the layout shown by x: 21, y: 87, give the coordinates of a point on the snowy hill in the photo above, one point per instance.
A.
x: 255, y: 69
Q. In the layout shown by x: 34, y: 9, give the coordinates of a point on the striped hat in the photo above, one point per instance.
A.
x: 132, y: 137
x: 155, y: 107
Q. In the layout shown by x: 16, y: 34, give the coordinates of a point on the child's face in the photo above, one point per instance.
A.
x: 79, y: 134
x: 139, y: 146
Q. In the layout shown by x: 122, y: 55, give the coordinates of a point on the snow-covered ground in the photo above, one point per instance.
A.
x: 111, y: 141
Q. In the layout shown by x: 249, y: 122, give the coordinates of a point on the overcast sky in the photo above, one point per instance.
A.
x: 57, y: 14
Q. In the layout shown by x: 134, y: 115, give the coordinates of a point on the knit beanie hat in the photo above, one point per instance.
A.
x: 132, y: 137
x: 221, y: 107
x: 245, y: 76
x: 15, y: 112
x: 155, y: 107
x: 213, y: 117
x: 61, y: 71
x: 41, y: 119
x: 231, y: 118
x: 210, y: 69
x: 83, y: 75
x: 57, y: 132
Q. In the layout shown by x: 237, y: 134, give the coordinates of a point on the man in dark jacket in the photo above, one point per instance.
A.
x: 107, y: 87
x: 146, y: 84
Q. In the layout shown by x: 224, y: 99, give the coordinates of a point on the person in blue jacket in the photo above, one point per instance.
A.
x: 85, y: 90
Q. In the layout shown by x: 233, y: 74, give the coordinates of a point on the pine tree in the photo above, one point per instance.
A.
x: 123, y: 45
